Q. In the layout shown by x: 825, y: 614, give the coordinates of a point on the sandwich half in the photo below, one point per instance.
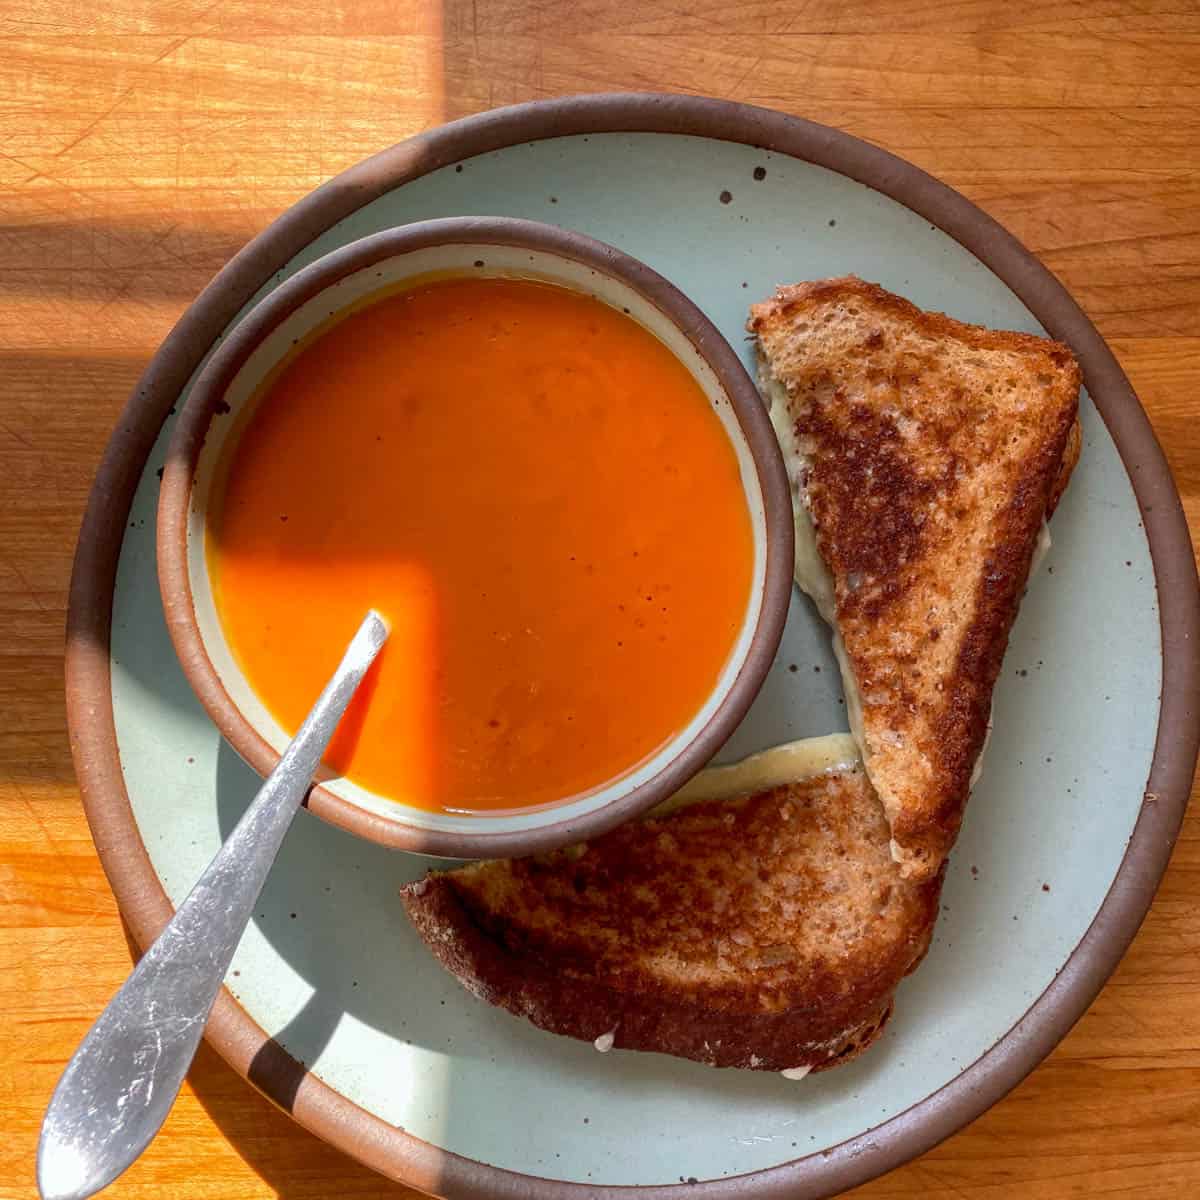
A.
x: 766, y: 930
x: 925, y: 457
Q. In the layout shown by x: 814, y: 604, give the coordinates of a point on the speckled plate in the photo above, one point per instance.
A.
x: 336, y: 1011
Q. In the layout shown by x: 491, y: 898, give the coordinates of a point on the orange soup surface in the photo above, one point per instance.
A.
x: 536, y: 495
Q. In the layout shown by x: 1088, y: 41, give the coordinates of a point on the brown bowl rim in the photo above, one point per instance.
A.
x: 139, y: 892
x: 205, y: 404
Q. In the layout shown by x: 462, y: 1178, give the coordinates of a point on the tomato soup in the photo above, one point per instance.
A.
x: 536, y: 495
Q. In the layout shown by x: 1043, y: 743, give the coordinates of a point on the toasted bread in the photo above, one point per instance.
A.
x: 925, y: 456
x: 766, y: 931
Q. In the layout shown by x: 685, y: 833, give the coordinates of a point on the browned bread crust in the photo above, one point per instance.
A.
x: 928, y: 453
x: 1070, y: 459
x: 765, y: 932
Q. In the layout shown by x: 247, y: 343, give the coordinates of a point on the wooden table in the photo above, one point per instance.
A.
x: 142, y: 143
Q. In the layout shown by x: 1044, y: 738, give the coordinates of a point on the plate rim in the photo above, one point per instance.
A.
x: 138, y: 890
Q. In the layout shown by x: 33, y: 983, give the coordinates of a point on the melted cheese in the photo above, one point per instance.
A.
x: 792, y: 762
x: 1043, y: 547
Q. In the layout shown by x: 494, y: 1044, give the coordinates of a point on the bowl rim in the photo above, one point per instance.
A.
x: 139, y: 892
x: 548, y: 828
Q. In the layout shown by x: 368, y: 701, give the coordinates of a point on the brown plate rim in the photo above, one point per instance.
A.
x: 205, y: 403
x: 89, y: 701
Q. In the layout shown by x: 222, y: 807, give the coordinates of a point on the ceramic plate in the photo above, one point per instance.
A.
x: 337, y: 1011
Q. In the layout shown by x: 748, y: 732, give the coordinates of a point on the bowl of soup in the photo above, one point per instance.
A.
x: 552, y: 476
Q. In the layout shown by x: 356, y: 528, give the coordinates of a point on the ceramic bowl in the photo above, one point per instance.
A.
x: 222, y: 402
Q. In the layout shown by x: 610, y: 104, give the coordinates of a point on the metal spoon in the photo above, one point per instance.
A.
x: 120, y: 1084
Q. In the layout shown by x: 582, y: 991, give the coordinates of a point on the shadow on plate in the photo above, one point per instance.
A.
x: 289, y: 1159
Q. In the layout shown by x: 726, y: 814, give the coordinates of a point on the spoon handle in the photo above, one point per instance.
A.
x: 118, y: 1088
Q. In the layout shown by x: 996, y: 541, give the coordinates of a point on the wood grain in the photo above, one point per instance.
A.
x: 142, y: 142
